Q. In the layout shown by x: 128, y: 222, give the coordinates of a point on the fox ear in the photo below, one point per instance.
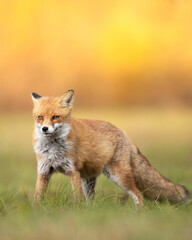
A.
x: 35, y: 97
x: 67, y: 99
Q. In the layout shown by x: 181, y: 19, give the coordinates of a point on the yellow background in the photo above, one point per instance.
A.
x: 110, y: 52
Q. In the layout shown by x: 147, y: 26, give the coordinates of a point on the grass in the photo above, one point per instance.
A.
x: 163, y: 136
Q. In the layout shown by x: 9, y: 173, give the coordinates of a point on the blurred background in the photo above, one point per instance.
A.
x: 112, y: 53
x: 130, y: 63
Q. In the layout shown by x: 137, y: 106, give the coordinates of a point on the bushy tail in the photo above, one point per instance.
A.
x: 154, y: 185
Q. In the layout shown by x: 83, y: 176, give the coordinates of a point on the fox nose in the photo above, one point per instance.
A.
x: 44, y: 129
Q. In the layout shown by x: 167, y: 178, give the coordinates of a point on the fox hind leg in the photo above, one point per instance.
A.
x: 125, y: 180
x: 88, y: 186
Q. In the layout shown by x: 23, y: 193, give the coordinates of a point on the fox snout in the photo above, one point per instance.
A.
x: 48, y: 129
x: 44, y: 129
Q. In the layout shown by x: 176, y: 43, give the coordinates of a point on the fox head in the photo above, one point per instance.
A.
x: 52, y: 114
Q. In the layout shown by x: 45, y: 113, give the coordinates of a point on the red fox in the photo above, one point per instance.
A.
x: 83, y: 149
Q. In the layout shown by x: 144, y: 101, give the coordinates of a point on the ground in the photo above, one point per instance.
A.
x: 164, y: 136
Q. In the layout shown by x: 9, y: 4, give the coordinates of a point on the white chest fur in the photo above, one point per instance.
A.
x: 53, y: 151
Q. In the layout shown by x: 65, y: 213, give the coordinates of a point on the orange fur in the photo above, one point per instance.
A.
x: 96, y: 147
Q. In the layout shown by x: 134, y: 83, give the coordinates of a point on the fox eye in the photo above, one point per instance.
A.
x: 55, y: 117
x: 40, y: 117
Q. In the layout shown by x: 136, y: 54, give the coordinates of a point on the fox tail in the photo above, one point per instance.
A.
x: 153, y: 185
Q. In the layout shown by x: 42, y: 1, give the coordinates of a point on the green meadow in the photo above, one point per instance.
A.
x: 164, y: 136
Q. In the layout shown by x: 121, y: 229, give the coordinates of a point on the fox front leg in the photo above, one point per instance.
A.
x: 75, y: 179
x: 41, y: 186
